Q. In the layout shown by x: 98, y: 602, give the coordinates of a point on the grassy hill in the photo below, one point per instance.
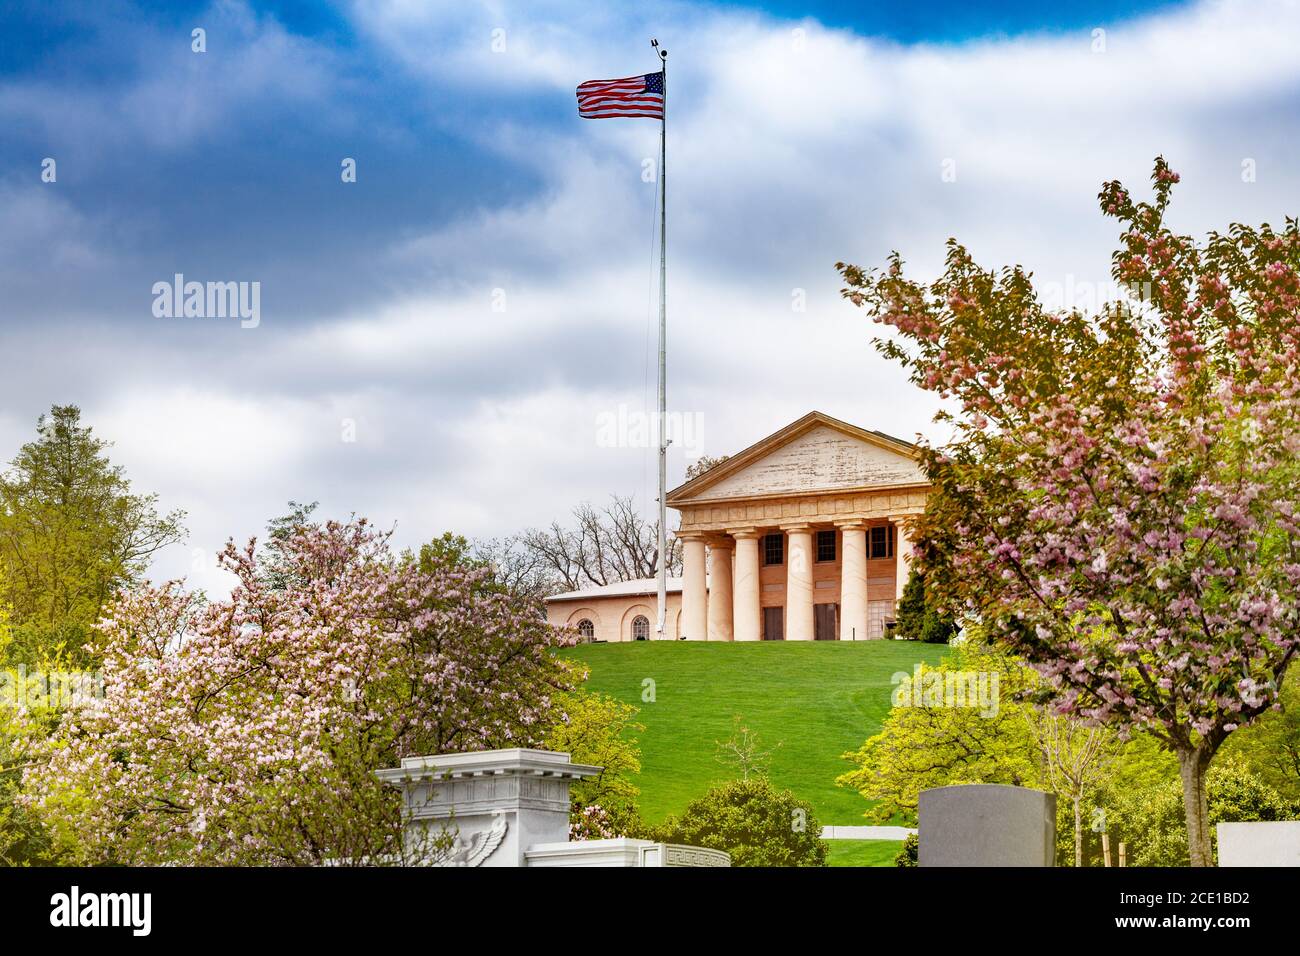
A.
x: 816, y: 700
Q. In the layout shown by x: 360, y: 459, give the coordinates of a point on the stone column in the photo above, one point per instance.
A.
x: 853, y: 581
x: 747, y: 617
x: 720, y: 599
x: 902, y: 557
x: 799, y: 584
x: 695, y: 618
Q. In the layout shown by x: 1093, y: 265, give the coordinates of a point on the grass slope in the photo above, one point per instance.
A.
x: 863, y: 852
x: 817, y: 700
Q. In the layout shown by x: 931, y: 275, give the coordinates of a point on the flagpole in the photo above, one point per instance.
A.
x: 663, y: 335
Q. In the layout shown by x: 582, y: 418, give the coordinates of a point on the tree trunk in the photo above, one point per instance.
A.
x: 1192, y: 765
x: 1078, y: 832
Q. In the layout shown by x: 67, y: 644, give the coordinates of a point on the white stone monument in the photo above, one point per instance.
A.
x: 624, y: 852
x: 511, y: 808
x: 1263, y: 843
x: 497, y: 803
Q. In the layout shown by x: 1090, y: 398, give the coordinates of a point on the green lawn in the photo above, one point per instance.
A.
x: 863, y: 852
x: 816, y: 700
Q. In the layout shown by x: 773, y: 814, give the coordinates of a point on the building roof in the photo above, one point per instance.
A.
x: 742, y: 459
x: 619, y: 589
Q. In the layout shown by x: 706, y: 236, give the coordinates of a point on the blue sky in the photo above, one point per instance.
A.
x: 800, y: 134
x: 954, y: 21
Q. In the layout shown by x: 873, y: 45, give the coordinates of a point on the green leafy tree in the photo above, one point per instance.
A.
x: 73, y: 535
x: 511, y: 567
x: 925, y: 743
x: 1150, y: 820
x: 599, y: 730
x: 1139, y: 764
x: 920, y: 619
x: 754, y: 822
x: 448, y: 551
x: 24, y: 728
x: 24, y: 841
x: 1272, y: 745
x: 275, y: 559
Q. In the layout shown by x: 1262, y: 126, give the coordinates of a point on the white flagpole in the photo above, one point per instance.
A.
x: 663, y: 335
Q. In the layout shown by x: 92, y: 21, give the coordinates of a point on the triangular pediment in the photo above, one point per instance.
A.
x: 813, y: 455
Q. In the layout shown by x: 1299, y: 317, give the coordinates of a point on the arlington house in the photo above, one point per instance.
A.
x: 799, y: 537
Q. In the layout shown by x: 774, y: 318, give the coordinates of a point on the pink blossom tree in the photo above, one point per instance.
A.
x: 1118, y: 502
x: 246, y: 731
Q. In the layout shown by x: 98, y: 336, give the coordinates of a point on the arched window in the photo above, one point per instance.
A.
x: 640, y: 628
x: 586, y: 630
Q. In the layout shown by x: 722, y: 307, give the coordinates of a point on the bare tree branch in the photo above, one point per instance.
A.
x: 602, y: 546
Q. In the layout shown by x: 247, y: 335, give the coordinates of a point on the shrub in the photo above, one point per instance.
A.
x: 1150, y: 820
x: 754, y: 822
x: 910, y: 854
x: 597, y: 729
x: 918, y: 618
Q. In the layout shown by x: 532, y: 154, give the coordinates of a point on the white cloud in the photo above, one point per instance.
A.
x: 783, y: 160
x: 40, y: 231
x: 179, y: 96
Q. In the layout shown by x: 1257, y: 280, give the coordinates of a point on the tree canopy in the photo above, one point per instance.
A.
x: 1119, y: 501
x: 73, y: 534
x: 247, y: 730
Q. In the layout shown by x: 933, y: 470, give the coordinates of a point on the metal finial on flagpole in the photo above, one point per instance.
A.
x: 663, y: 335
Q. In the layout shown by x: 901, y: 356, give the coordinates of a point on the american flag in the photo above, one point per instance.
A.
x: 630, y: 96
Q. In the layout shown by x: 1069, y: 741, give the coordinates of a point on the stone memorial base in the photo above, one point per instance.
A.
x: 623, y: 852
x: 511, y: 808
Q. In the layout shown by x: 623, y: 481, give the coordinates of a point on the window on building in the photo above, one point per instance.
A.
x: 640, y: 628
x: 825, y: 545
x: 774, y: 549
x: 586, y: 630
x: 882, y: 541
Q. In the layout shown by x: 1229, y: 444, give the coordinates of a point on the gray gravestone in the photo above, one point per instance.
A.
x: 986, y: 825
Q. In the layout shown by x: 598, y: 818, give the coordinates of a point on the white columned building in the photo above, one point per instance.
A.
x: 801, y: 536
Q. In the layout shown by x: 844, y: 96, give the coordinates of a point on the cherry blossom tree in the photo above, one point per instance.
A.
x: 1118, y: 501
x: 246, y: 731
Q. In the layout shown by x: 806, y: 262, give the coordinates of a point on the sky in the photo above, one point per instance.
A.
x: 443, y: 343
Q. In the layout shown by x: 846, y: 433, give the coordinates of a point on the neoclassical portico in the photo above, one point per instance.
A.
x: 802, y: 536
